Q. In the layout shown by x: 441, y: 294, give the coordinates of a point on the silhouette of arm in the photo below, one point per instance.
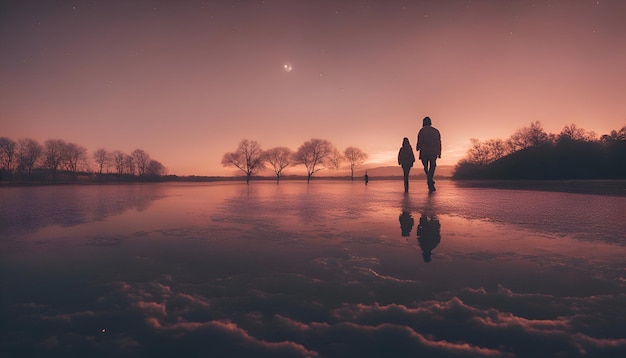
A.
x: 439, y: 141
x: 418, y: 146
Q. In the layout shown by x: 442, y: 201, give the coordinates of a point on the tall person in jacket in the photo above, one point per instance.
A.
x: 429, y: 146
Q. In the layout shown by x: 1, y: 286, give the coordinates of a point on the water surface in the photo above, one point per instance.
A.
x: 333, y: 269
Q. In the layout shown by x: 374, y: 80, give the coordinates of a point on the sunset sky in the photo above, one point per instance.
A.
x: 187, y: 80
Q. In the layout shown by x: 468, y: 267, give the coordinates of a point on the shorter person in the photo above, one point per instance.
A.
x: 406, y: 158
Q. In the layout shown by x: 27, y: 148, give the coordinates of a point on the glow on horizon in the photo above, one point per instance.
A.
x: 187, y: 81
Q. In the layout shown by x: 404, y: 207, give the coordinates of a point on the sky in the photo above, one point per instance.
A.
x: 186, y: 81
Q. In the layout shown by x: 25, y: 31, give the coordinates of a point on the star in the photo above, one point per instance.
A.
x: 287, y: 67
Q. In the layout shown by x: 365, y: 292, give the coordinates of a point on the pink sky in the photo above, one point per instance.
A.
x: 187, y: 80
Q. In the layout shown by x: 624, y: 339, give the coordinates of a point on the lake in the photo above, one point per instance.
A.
x: 329, y: 269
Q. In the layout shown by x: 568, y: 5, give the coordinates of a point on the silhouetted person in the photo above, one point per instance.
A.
x: 366, y: 178
x: 406, y: 223
x: 428, y: 235
x: 406, y: 158
x: 429, y: 146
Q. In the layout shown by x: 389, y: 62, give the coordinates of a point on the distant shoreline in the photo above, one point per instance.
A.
x: 110, y: 179
x: 606, y: 187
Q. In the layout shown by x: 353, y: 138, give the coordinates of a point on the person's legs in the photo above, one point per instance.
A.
x: 426, y: 163
x: 431, y: 173
x: 406, y: 171
x: 429, y: 168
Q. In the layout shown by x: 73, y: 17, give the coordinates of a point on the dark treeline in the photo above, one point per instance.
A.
x: 56, y: 160
x: 531, y: 153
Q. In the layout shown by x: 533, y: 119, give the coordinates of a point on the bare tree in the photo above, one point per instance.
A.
x: 155, y: 169
x: 118, y: 161
x: 528, y: 137
x: 248, y: 158
x: 53, y: 152
x: 279, y: 158
x: 614, y: 135
x: 334, y: 159
x: 620, y: 134
x: 478, y: 153
x: 129, y: 164
x: 497, y: 149
x: 7, y: 154
x: 28, y: 153
x: 141, y: 160
x: 313, y: 154
x: 574, y: 133
x: 102, y: 159
x: 74, y: 157
x: 482, y: 153
x: 355, y: 158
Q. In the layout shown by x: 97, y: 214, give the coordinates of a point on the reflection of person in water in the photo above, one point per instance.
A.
x: 406, y: 223
x: 428, y: 235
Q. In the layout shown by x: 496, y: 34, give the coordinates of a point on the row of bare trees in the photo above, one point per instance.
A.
x: 315, y: 154
x: 485, y: 152
x: 56, y: 156
x: 136, y: 163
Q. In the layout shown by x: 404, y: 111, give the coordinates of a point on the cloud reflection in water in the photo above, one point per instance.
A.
x: 319, y: 270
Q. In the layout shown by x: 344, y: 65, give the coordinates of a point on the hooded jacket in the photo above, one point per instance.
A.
x: 406, y: 158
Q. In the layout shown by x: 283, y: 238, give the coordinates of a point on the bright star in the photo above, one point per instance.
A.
x: 287, y: 67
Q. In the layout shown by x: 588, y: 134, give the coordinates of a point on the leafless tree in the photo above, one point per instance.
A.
x: 355, y: 158
x: 53, y: 152
x: 482, y: 153
x: 28, y: 153
x: 7, y: 154
x: 155, y: 169
x: 334, y: 159
x: 248, y: 158
x: 102, y: 159
x: 118, y: 161
x: 614, y: 135
x: 129, y: 164
x: 478, y: 152
x: 74, y: 157
x: 497, y: 149
x: 279, y: 158
x: 528, y: 137
x: 141, y: 160
x: 572, y: 132
x: 313, y: 154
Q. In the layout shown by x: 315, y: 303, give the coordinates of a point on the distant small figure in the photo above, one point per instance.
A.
x: 406, y: 158
x: 406, y: 223
x: 366, y: 178
x: 428, y: 235
x: 429, y: 146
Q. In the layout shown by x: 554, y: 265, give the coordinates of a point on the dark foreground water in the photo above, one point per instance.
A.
x: 332, y: 269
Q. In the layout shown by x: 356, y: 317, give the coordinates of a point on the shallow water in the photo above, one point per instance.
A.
x: 324, y: 269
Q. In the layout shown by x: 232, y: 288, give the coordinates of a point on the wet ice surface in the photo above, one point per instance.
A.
x: 323, y: 269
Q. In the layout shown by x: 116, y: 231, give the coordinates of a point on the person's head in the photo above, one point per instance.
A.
x: 405, y: 142
x: 426, y: 121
